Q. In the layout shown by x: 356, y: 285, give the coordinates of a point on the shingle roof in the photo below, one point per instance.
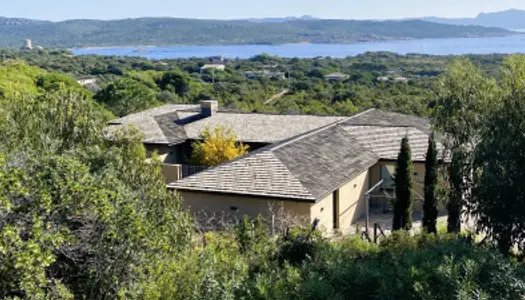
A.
x: 260, y: 174
x: 171, y: 124
x: 385, y: 141
x: 260, y: 128
x: 389, y: 119
x: 325, y: 160
x: 314, y: 164
x: 155, y: 127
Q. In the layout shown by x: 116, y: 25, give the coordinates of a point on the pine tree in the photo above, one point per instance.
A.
x: 404, y: 188
x: 430, y: 206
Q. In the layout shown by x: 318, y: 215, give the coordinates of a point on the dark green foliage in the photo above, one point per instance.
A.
x: 404, y: 188
x: 499, y: 190
x: 176, y: 82
x: 298, y: 245
x: 401, y: 267
x: 79, y: 216
x: 250, y: 232
x: 430, y: 204
x: 126, y: 96
x: 308, y: 91
x: 457, y: 192
x: 464, y: 97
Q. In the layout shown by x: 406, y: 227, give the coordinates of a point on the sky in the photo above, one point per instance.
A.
x: 57, y: 10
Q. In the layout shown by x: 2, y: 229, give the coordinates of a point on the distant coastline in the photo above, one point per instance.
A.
x: 363, y: 41
x: 446, y: 46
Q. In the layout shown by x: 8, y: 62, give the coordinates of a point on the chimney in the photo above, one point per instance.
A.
x: 209, y: 108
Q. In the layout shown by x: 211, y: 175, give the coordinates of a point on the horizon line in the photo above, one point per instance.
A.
x: 262, y: 18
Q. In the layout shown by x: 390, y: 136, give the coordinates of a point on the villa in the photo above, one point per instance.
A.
x: 335, y: 169
x: 336, y: 77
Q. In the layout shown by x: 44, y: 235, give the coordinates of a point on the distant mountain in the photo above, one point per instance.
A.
x: 170, y: 31
x: 280, y: 20
x: 509, y: 19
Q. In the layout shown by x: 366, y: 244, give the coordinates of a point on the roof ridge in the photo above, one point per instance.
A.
x: 359, y: 145
x: 291, y: 173
x: 315, y: 131
x: 382, y: 125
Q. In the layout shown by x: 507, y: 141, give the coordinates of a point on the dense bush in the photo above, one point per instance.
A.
x: 401, y: 267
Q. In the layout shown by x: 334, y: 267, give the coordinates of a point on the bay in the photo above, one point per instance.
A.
x: 452, y: 46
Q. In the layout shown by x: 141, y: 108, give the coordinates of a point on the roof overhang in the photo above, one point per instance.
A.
x: 251, y: 195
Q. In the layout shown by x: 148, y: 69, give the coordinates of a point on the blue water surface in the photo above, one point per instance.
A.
x: 455, y: 46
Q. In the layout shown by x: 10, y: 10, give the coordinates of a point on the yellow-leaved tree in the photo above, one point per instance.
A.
x: 217, y: 146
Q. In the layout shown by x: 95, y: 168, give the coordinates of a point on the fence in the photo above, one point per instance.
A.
x: 188, y: 170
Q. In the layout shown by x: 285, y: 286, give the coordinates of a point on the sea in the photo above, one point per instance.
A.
x: 450, y: 46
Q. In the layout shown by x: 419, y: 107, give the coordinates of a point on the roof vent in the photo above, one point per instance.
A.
x: 209, y: 108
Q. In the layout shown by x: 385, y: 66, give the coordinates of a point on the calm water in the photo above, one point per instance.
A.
x: 508, y: 44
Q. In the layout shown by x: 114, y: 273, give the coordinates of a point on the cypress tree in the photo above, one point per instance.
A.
x: 430, y: 206
x: 455, y: 201
x: 404, y: 187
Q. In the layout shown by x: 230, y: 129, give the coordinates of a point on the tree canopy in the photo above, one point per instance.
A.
x: 217, y: 146
x: 126, y: 96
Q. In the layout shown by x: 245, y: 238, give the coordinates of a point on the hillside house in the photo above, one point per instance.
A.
x: 217, y: 60
x: 335, y: 169
x: 264, y: 74
x: 220, y: 67
x: 86, y: 80
x: 336, y: 173
x: 171, y: 129
x: 336, y: 77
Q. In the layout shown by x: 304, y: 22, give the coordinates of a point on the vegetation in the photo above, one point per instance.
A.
x: 180, y: 81
x: 430, y: 204
x: 483, y: 134
x: 498, y: 198
x: 86, y: 218
x: 463, y: 101
x: 216, y: 147
x: 79, y: 216
x: 125, y: 96
x: 404, y: 183
x: 169, y: 31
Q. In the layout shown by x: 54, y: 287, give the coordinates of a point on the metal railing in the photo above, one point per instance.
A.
x: 188, y: 170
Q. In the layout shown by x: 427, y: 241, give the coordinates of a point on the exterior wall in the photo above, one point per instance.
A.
x: 167, y: 154
x: 324, y: 211
x: 374, y: 175
x: 419, y: 181
x: 171, y: 172
x: 352, y: 203
x: 245, y: 205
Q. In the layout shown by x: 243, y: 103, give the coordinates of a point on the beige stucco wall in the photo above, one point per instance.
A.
x: 198, y: 202
x: 352, y: 203
x: 323, y: 210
